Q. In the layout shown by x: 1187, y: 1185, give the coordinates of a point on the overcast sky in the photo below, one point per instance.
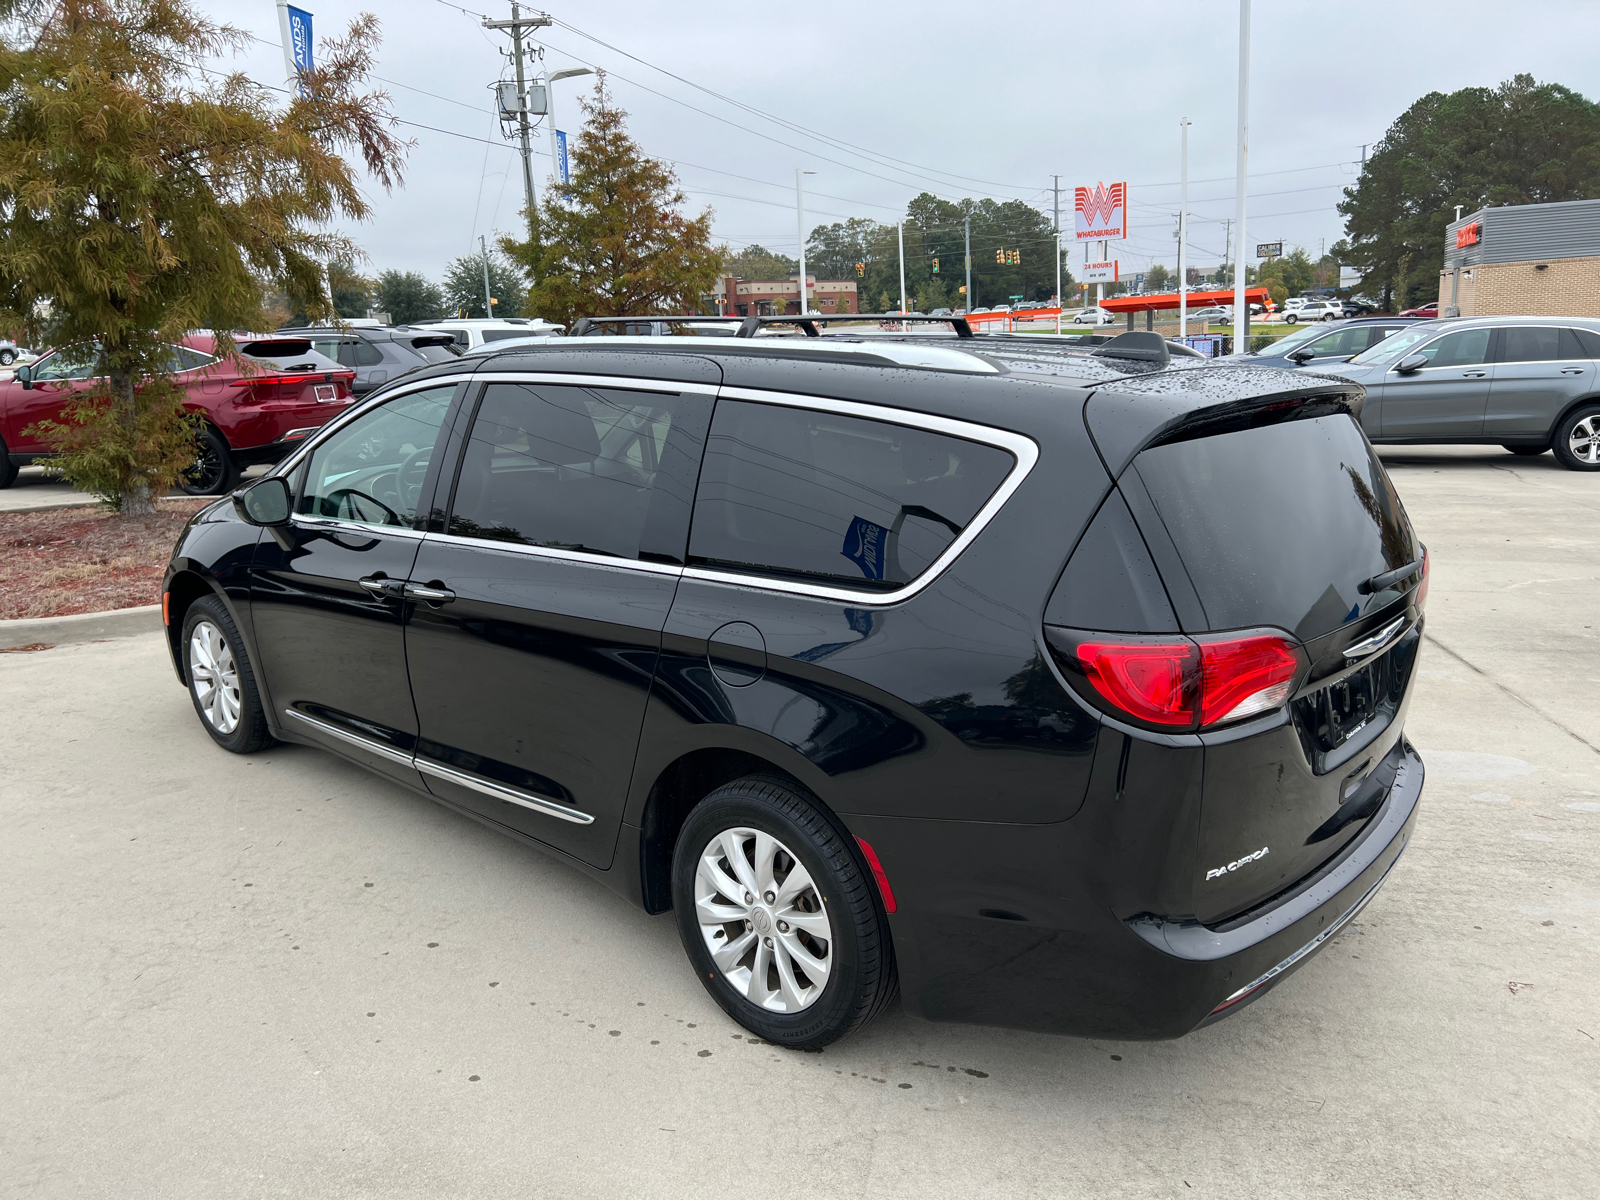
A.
x: 959, y: 99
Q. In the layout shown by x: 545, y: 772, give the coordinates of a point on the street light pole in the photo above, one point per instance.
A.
x: 900, y: 229
x: 550, y: 114
x: 1183, y: 232
x: 1058, y: 253
x: 966, y: 223
x: 800, y: 223
x: 1241, y: 310
x: 488, y: 300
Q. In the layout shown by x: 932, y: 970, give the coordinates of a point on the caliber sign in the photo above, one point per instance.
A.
x: 1101, y: 211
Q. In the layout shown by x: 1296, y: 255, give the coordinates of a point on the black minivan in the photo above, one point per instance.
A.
x: 1043, y: 688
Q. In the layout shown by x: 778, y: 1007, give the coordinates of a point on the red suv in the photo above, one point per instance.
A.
x: 255, y: 411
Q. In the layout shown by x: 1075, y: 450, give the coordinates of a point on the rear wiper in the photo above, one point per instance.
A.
x: 1389, y: 578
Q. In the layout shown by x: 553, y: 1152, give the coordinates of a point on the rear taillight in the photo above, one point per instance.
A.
x: 1156, y: 681
x: 1245, y: 677
x: 1176, y: 683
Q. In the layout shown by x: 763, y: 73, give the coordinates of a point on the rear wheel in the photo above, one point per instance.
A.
x: 222, y: 683
x: 1577, y: 439
x: 214, y: 471
x: 779, y: 917
x: 7, y: 357
x: 1527, y: 451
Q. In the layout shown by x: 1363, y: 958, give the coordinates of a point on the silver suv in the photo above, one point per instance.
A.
x: 1529, y: 384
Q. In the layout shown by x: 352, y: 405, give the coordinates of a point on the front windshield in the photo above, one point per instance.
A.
x: 1394, y: 347
x: 1299, y: 337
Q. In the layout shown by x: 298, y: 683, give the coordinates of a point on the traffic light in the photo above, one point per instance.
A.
x: 1000, y: 257
x: 1008, y: 258
x: 936, y: 266
x: 861, y: 270
x: 962, y: 289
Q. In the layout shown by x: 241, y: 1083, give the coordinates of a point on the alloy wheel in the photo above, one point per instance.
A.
x: 214, y: 676
x: 206, y: 474
x: 1584, y: 440
x: 763, y: 920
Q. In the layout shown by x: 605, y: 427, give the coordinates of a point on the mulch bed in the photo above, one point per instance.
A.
x: 80, y: 560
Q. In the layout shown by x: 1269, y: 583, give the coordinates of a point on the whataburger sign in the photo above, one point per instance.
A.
x: 1101, y: 211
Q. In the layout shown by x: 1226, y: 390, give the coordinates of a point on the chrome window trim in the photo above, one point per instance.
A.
x: 367, y: 744
x: 500, y: 792
x: 556, y: 554
x: 438, y: 771
x: 306, y: 521
x: 1024, y: 450
x: 626, y: 382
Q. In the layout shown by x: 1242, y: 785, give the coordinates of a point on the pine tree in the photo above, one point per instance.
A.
x: 612, y: 242
x: 142, y: 195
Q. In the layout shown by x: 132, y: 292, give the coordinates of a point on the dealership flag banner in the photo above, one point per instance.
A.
x: 300, y: 38
x: 561, y: 156
x: 1101, y: 212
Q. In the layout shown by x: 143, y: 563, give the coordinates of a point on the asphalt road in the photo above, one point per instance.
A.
x: 278, y: 976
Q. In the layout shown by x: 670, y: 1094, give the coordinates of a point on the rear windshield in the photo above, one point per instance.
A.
x: 434, y: 352
x: 1278, y: 525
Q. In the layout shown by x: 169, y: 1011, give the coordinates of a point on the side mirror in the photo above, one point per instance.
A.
x: 1301, y: 356
x: 24, y: 376
x: 265, y: 502
x: 1410, y: 363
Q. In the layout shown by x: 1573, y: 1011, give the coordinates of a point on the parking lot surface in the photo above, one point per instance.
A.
x: 280, y: 976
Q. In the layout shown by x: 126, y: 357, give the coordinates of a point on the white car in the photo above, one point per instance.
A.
x: 474, y: 332
x: 1315, y: 310
x: 1211, y: 312
x: 1094, y: 316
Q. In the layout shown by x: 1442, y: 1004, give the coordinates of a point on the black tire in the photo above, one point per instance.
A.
x: 214, y: 472
x: 7, y: 357
x: 1588, y: 417
x: 249, y: 732
x: 8, y: 469
x: 861, y: 980
x: 1527, y: 451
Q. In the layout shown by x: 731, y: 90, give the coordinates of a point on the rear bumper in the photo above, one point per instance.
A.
x: 1062, y: 963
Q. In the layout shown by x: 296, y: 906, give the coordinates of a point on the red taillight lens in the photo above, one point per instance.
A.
x: 1244, y: 677
x: 1422, y: 588
x: 1155, y: 681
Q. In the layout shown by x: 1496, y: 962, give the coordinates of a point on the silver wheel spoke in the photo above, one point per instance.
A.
x: 214, y: 676
x: 787, y: 940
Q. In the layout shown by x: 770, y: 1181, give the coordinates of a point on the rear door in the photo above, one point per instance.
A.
x: 1277, y: 528
x: 1539, y: 370
x: 534, y: 643
x: 1448, y: 397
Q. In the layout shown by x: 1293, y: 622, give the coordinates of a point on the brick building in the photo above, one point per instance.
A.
x: 1531, y: 259
x: 776, y: 297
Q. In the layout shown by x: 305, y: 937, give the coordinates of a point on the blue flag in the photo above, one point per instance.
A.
x: 865, y: 544
x: 561, y: 156
x: 300, y: 38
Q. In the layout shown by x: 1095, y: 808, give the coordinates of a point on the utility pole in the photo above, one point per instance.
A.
x: 1183, y: 231
x: 517, y: 24
x: 966, y: 223
x: 800, y: 222
x: 1241, y: 310
x: 900, y: 229
x: 488, y: 300
x: 1057, y: 189
x: 1227, y: 239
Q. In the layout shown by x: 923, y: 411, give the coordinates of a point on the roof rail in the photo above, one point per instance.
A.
x: 584, y: 325
x: 810, y: 321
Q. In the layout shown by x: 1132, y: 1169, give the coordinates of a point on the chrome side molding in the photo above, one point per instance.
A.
x: 449, y: 774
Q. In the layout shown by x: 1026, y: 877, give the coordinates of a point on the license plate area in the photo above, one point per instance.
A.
x: 1337, y: 721
x: 326, y: 392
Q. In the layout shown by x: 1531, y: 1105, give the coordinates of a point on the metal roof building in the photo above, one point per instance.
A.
x: 1535, y: 259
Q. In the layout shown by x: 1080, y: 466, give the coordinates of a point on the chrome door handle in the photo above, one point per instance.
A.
x: 1473, y: 374
x: 375, y: 585
x: 1573, y: 370
x: 433, y: 595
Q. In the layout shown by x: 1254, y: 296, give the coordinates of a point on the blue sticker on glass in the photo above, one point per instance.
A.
x: 865, y: 544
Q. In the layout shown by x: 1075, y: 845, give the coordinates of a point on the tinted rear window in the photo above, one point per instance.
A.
x: 834, y: 499
x: 1278, y: 525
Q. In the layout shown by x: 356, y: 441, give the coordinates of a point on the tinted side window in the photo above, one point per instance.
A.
x: 373, y: 469
x: 500, y: 335
x: 1580, y: 343
x: 1524, y: 343
x: 838, y: 499
x: 577, y: 468
x: 366, y: 354
x: 1344, y: 341
x: 1464, y: 348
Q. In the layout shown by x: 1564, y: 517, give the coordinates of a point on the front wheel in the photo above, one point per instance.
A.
x: 7, y: 357
x: 222, y: 682
x: 779, y: 916
x: 1577, y: 439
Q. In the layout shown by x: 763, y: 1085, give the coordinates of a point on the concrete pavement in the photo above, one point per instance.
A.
x: 280, y: 976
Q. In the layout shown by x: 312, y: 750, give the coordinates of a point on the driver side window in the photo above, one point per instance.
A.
x: 373, y: 469
x: 73, y: 362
